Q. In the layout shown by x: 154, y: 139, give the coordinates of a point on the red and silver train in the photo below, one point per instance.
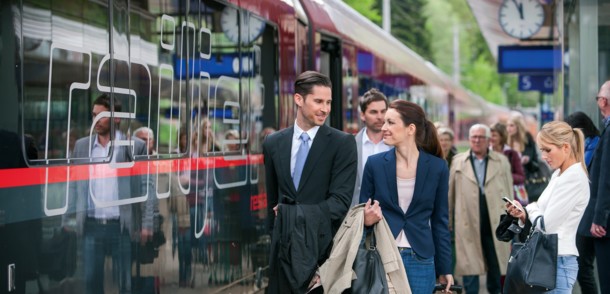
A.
x: 210, y: 79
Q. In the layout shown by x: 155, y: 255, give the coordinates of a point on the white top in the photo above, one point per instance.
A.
x: 369, y: 148
x: 296, y: 143
x: 406, y: 187
x: 562, y: 204
x: 103, y: 186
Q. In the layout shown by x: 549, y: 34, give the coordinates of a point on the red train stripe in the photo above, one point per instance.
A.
x: 18, y: 177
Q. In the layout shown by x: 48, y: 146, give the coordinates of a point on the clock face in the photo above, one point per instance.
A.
x: 251, y: 27
x: 521, y: 18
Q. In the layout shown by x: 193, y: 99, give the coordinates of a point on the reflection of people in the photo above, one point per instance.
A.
x: 596, y: 220
x: 564, y: 200
x: 230, y: 137
x: 585, y: 243
x: 109, y: 229
x: 309, y: 167
x: 445, y: 137
x: 409, y: 186
x: 478, y: 181
x: 146, y: 134
x: 369, y: 139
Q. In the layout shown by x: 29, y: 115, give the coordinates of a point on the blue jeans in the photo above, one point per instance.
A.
x: 567, y: 270
x: 420, y: 271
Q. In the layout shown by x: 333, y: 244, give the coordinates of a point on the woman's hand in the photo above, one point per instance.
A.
x: 372, y: 213
x: 525, y: 159
x: 446, y: 280
x: 516, y: 210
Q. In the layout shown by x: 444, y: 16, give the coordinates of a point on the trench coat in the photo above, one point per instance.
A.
x: 464, y: 216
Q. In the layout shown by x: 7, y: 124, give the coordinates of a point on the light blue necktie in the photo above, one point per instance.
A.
x: 301, y: 157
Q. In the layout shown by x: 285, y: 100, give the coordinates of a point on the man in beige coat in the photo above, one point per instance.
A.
x: 478, y: 180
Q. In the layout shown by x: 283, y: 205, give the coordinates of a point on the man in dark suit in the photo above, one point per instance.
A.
x: 310, y: 171
x: 596, y: 220
x: 369, y: 140
x: 107, y: 212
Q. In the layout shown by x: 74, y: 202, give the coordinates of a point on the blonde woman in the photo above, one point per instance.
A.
x: 563, y: 202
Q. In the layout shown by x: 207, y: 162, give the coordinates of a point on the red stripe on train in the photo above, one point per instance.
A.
x: 18, y: 177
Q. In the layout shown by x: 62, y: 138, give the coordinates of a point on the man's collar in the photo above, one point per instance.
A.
x: 606, y: 121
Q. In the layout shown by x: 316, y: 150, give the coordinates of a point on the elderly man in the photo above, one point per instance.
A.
x: 146, y: 134
x: 478, y: 180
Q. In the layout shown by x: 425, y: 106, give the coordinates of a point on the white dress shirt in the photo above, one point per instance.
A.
x: 296, y: 143
x: 406, y: 188
x: 369, y: 148
x: 103, y: 184
x: 562, y: 204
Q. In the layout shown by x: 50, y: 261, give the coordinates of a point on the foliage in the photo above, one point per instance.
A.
x: 366, y: 8
x: 409, y: 25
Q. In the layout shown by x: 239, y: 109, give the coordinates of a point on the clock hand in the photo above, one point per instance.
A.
x: 519, y: 8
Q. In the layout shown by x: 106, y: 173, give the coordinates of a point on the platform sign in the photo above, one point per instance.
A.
x: 529, y: 59
x: 543, y: 83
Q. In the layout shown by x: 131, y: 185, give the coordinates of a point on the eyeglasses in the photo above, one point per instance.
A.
x: 600, y: 97
x: 477, y: 138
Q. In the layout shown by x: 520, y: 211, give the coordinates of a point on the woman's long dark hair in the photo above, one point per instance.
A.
x: 425, y: 135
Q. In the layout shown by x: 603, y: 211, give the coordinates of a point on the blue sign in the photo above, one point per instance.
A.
x: 542, y: 83
x: 226, y: 64
x: 529, y: 59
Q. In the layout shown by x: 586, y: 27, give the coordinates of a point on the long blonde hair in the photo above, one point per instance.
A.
x: 520, y: 136
x: 558, y: 133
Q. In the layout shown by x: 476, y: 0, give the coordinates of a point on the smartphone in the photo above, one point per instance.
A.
x: 512, y: 203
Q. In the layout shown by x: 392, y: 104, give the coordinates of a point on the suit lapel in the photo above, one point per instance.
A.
x: 285, y: 149
x: 390, y: 175
x: 420, y: 177
x: 320, y: 142
x: 467, y: 169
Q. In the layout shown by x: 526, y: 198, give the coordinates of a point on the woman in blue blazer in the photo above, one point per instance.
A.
x: 409, y: 185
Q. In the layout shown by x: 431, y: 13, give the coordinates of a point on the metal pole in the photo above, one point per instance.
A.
x: 456, y: 53
x: 387, y: 16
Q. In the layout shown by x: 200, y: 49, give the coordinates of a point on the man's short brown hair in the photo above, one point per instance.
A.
x: 305, y: 82
x: 371, y: 96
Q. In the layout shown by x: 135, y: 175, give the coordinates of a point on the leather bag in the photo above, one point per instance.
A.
x: 536, y: 180
x: 368, y: 267
x: 532, y: 266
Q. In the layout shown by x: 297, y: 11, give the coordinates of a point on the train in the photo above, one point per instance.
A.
x: 210, y: 79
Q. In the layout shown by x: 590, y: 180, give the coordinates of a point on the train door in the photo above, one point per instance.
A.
x: 330, y: 65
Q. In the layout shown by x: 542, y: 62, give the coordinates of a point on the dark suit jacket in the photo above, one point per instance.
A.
x: 598, y: 209
x: 328, y: 176
x: 426, y: 222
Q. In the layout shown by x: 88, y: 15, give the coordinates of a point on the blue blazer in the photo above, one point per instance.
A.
x: 426, y: 222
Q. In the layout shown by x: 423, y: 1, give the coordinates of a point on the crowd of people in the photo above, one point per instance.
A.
x: 441, y: 205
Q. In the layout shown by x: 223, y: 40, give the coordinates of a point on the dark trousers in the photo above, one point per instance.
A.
x: 586, y: 257
x: 471, y: 283
x: 602, y: 253
x: 101, y: 240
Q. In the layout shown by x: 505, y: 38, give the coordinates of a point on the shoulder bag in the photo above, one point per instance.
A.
x: 368, y: 267
x: 532, y: 267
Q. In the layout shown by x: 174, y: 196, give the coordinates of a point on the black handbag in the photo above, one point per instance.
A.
x: 536, y: 180
x: 370, y: 274
x: 532, y: 266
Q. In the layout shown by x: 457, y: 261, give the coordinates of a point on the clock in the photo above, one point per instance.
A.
x: 521, y: 18
x: 251, y: 26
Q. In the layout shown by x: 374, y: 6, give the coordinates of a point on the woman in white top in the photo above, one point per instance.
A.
x: 564, y: 200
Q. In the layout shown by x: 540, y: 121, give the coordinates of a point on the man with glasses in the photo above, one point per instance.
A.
x: 595, y: 222
x: 478, y: 180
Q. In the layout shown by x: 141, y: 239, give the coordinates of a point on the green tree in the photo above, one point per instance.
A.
x: 366, y: 8
x: 409, y: 25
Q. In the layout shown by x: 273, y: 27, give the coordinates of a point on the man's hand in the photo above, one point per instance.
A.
x: 275, y: 209
x: 145, y: 235
x: 446, y: 280
x: 372, y: 213
x: 598, y: 231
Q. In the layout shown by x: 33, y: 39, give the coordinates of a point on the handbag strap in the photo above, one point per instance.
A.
x: 370, y: 241
x: 542, y: 227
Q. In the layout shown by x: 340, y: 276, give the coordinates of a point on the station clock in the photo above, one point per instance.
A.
x: 521, y: 18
